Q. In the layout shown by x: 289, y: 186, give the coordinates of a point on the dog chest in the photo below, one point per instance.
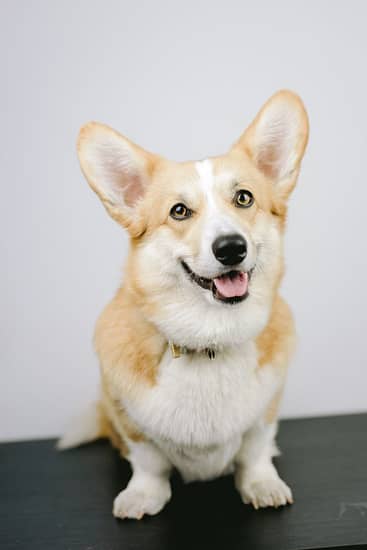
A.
x: 199, y: 403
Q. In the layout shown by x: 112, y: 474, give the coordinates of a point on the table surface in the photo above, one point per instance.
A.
x: 52, y: 500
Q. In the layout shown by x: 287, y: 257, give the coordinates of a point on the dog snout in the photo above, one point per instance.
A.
x: 230, y: 249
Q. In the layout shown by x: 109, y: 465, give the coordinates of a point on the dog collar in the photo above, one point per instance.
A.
x: 177, y: 351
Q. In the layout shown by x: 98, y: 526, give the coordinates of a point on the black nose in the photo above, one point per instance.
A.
x: 230, y: 249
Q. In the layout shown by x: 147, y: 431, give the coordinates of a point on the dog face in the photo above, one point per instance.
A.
x: 206, y: 237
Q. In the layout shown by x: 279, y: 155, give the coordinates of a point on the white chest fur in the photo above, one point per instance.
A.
x: 200, y: 408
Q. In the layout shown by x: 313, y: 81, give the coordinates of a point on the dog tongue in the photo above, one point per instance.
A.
x: 233, y: 284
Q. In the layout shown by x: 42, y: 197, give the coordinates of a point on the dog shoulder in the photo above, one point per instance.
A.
x: 128, y: 346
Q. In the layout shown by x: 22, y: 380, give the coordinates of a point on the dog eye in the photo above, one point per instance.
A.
x: 243, y: 198
x: 180, y: 212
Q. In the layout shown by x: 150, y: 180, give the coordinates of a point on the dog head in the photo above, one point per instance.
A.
x: 206, y: 237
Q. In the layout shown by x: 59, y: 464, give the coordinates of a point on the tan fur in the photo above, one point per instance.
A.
x: 129, y: 347
x: 107, y: 430
x: 275, y: 343
x: 275, y: 346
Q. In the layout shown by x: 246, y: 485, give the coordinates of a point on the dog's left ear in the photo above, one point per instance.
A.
x: 277, y: 138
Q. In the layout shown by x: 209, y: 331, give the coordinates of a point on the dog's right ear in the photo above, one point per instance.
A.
x: 116, y: 169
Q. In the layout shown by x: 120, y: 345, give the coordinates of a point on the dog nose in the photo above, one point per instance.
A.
x: 230, y: 249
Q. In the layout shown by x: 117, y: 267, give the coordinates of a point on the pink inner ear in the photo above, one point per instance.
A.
x: 269, y: 160
x: 133, y: 188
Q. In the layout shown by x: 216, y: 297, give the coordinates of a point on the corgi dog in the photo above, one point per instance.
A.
x: 194, y: 347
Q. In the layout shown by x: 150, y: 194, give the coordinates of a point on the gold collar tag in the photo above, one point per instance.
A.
x: 177, y: 351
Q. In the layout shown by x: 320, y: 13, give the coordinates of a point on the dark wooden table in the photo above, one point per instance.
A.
x: 51, y: 500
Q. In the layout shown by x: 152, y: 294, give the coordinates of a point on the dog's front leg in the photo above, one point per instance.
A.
x: 149, y: 488
x: 256, y: 477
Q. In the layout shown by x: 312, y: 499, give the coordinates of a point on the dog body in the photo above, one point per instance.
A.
x: 195, y: 345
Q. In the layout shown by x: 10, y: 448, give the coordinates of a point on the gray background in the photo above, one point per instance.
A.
x: 182, y: 79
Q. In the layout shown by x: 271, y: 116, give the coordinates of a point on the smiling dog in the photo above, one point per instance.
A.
x: 195, y: 345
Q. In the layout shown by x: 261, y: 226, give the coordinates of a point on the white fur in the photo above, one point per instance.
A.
x: 189, y: 315
x: 83, y: 429
x: 148, y: 489
x: 200, y: 408
x: 201, y: 414
x: 256, y: 477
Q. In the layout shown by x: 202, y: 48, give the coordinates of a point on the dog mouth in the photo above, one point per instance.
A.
x: 230, y: 287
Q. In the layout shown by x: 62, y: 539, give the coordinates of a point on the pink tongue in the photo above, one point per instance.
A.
x: 229, y: 287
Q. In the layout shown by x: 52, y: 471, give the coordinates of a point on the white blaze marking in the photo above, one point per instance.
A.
x: 205, y: 170
x: 206, y: 179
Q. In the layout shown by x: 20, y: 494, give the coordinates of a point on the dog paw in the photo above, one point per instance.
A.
x: 135, y: 503
x: 262, y: 493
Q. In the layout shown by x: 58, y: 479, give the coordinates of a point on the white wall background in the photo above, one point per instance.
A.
x: 182, y: 79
